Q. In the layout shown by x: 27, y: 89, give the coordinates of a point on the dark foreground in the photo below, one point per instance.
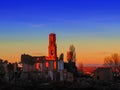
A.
x: 81, y: 84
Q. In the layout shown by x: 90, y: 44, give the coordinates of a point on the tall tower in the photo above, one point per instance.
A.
x: 52, y: 48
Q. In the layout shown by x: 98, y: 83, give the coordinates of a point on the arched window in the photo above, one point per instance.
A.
x: 38, y: 59
x: 51, y: 52
x: 55, y: 65
x: 47, y: 65
x: 37, y: 66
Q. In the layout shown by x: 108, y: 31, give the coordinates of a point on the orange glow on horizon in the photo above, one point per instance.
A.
x: 88, y: 50
x: 85, y: 59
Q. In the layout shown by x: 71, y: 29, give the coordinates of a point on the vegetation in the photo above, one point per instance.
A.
x: 73, y: 53
x: 113, y: 62
x: 2, y: 70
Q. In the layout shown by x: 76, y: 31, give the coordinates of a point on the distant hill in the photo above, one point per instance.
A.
x: 90, y: 68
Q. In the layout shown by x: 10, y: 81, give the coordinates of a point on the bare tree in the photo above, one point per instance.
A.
x: 73, y: 53
x: 113, y: 62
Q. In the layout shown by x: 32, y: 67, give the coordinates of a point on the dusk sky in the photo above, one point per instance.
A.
x: 92, y: 26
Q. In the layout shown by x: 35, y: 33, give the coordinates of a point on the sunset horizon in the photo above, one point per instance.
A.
x: 59, y: 44
x: 78, y: 61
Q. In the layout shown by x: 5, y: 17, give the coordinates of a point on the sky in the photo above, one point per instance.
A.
x: 92, y: 26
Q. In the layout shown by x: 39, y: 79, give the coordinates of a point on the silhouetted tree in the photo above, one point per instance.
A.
x: 2, y: 70
x: 71, y: 58
x: 10, y: 68
x: 113, y: 62
x: 5, y: 61
x: 72, y: 53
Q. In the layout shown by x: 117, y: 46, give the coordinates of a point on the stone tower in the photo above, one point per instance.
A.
x: 52, y: 48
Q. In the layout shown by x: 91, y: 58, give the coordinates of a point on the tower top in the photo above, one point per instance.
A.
x: 52, y: 34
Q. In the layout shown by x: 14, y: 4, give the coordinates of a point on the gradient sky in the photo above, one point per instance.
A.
x: 92, y: 26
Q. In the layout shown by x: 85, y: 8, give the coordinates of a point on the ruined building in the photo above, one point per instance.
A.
x: 103, y: 73
x: 50, y: 65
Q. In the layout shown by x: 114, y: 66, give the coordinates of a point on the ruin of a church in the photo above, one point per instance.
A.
x: 51, y: 66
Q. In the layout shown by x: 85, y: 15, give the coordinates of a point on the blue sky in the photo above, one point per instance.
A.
x: 74, y: 21
x: 84, y: 16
